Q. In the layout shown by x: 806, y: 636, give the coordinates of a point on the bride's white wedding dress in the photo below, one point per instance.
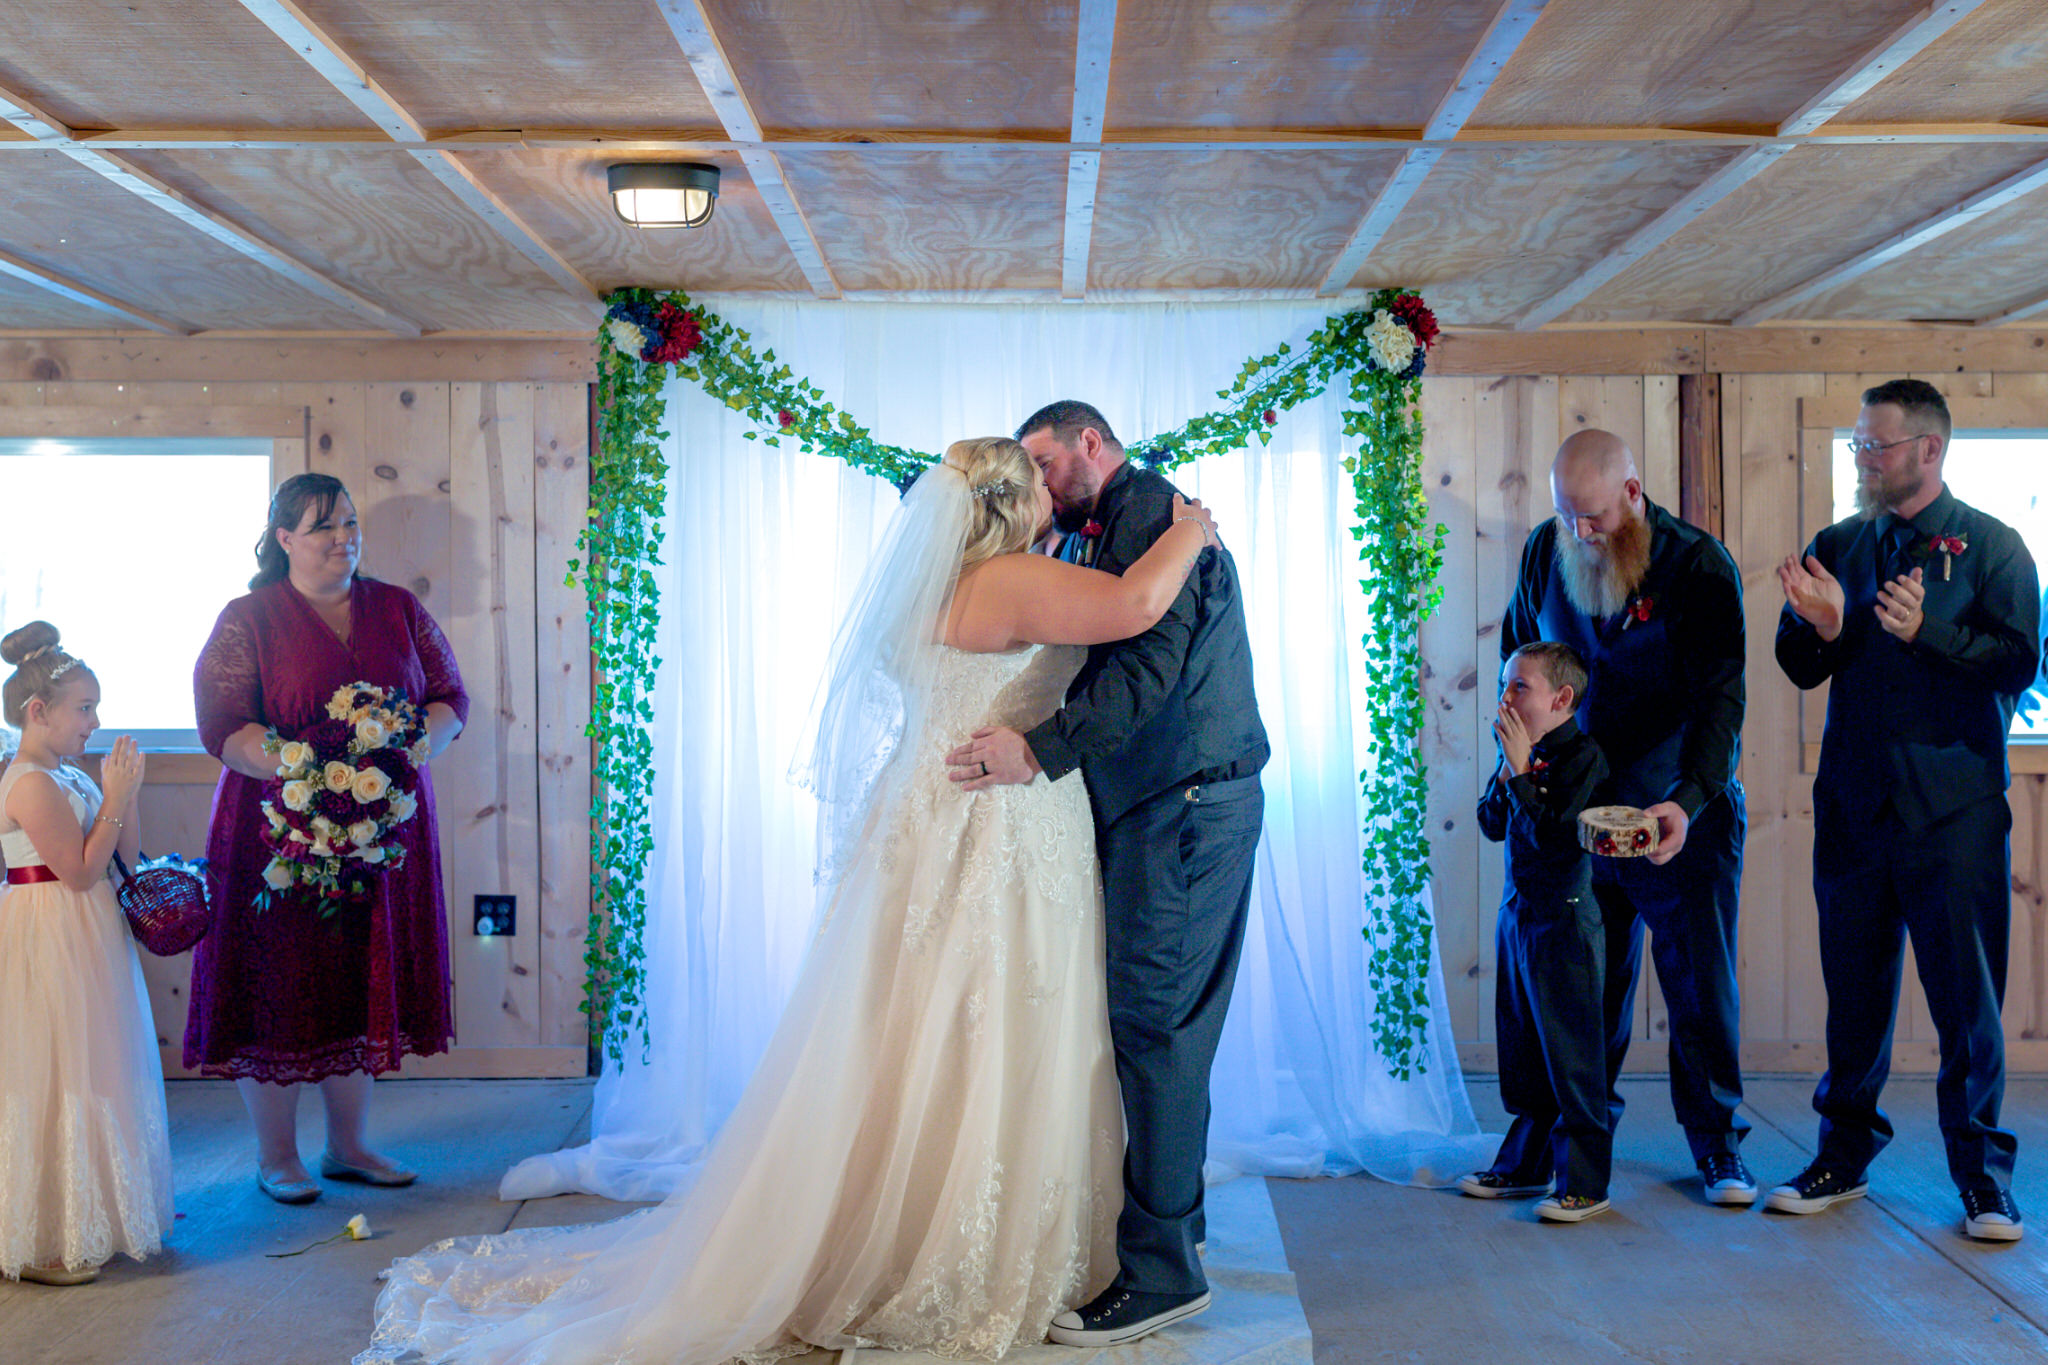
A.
x: 928, y: 1157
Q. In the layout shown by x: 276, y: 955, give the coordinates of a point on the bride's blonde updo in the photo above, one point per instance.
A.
x: 1002, y: 487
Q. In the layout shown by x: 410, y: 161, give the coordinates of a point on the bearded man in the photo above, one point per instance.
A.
x: 1925, y: 614
x: 1654, y: 607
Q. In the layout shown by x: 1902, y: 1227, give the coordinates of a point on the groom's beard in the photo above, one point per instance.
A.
x: 1599, y: 579
x: 1070, y: 519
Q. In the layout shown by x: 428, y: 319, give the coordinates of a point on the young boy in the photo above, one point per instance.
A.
x: 1551, y: 952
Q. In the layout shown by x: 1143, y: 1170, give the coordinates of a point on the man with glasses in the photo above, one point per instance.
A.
x: 1923, y: 615
x: 1654, y: 607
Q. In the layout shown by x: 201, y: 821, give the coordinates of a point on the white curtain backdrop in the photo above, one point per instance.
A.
x: 764, y: 545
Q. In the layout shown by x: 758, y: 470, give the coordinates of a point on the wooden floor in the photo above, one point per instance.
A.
x: 1385, y: 1273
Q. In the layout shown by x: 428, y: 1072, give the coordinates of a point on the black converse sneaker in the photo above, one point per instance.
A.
x: 1814, y: 1188
x: 1991, y: 1216
x: 1121, y: 1315
x: 1727, y: 1180
x: 1494, y: 1185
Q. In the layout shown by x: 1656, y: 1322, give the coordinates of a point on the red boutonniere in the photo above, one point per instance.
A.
x: 1948, y: 547
x: 1538, y: 766
x: 1638, y: 609
x: 1092, y: 529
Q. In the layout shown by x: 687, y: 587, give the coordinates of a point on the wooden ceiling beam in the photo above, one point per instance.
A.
x: 1898, y: 244
x: 691, y: 27
x: 119, y: 170
x: 1745, y: 167
x: 1890, y: 53
x: 2031, y: 308
x: 1095, y: 39
x: 1511, y: 24
x: 358, y: 87
x: 49, y: 281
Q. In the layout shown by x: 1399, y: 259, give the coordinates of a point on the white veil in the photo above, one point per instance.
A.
x: 878, y: 685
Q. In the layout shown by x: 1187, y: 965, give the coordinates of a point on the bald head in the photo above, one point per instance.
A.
x: 1594, y: 484
x: 1593, y: 455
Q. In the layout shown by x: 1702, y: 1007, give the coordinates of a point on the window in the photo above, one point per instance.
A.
x: 131, y: 547
x: 2004, y: 473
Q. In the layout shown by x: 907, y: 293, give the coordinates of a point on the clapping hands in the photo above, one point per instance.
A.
x: 1814, y: 594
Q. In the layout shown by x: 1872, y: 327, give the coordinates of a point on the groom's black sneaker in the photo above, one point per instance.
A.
x: 1814, y: 1188
x: 1121, y: 1315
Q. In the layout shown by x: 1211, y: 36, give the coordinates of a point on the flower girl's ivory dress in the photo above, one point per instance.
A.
x: 928, y: 1157
x: 85, y: 1153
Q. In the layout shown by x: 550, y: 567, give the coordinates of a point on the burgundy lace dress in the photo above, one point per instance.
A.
x: 282, y: 995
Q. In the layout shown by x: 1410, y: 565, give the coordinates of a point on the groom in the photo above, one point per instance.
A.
x: 1166, y: 732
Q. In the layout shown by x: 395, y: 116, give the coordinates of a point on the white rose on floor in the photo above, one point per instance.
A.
x: 363, y: 832
x: 295, y: 754
x: 403, y: 807
x: 298, y: 795
x: 278, y: 876
x: 371, y: 734
x: 358, y: 1229
x: 339, y: 776
x: 370, y: 784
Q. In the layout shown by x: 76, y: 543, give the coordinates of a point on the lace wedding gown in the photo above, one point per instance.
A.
x: 928, y: 1157
x: 85, y: 1149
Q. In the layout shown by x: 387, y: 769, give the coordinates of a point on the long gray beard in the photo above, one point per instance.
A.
x: 1600, y: 583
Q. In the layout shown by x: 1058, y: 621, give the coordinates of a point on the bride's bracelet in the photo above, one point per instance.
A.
x: 1205, y: 529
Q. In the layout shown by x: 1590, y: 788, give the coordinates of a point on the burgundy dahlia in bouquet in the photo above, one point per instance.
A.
x: 342, y: 786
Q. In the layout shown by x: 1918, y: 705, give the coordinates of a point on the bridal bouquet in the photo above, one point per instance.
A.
x: 342, y: 786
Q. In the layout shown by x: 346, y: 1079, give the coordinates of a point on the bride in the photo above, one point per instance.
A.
x: 929, y: 1156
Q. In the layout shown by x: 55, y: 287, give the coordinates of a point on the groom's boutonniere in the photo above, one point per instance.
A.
x: 1092, y: 529
x: 1948, y: 547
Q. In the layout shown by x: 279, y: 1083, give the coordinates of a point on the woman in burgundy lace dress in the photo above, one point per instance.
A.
x: 282, y: 997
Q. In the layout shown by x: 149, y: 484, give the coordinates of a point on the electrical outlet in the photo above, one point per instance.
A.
x: 497, y: 916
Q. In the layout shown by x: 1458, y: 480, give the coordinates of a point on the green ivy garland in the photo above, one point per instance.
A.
x: 1400, y: 551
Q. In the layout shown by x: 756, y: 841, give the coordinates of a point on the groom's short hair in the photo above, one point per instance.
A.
x: 1066, y: 420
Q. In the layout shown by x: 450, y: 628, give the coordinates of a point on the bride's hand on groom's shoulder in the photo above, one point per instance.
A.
x: 995, y: 756
x: 1184, y: 508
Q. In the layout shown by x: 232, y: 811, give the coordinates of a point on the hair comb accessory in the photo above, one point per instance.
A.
x: 993, y: 489
x: 37, y: 653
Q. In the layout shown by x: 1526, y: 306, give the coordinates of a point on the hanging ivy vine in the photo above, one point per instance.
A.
x: 1381, y: 346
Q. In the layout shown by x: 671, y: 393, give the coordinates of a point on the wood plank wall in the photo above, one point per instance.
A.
x: 1487, y: 451
x: 472, y: 492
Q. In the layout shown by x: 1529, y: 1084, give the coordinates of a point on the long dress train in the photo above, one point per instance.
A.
x: 928, y: 1157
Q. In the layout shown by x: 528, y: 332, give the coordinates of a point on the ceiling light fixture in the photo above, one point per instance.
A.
x: 663, y: 194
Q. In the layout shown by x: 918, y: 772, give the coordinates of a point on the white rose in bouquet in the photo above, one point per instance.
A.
x: 298, y: 795
x: 362, y: 832
x: 369, y: 784
x: 278, y: 876
x: 370, y: 855
x: 403, y: 807
x: 339, y: 776
x: 294, y: 755
x: 371, y: 734
x: 277, y: 822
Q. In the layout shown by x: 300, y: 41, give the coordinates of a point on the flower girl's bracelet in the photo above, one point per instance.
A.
x: 110, y: 820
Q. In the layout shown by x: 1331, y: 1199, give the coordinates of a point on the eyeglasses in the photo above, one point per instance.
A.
x: 1866, y: 446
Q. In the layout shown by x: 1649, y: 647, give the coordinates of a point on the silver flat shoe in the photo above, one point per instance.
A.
x: 336, y: 1169
x: 288, y: 1191
x: 58, y: 1275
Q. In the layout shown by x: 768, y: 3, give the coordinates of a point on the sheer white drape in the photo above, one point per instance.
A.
x: 763, y: 547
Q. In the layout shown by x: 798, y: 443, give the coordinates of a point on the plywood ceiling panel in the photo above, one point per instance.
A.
x: 1814, y: 208
x: 64, y: 218
x: 1228, y: 220
x: 379, y: 222
x: 810, y: 66
x: 190, y: 64
x: 465, y: 64
x: 24, y: 308
x: 1494, y: 231
x: 936, y: 219
x: 562, y: 196
x: 1993, y: 66
x: 1977, y: 271
x: 1302, y: 64
x: 1649, y: 63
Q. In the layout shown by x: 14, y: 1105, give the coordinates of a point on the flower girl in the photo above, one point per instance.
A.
x: 85, y: 1157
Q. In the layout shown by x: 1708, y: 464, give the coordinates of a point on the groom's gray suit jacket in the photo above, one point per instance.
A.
x: 1170, y: 707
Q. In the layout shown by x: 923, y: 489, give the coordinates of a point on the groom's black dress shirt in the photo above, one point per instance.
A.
x: 1171, y: 706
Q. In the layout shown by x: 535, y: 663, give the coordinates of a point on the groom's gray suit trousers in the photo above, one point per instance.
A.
x: 1177, y: 880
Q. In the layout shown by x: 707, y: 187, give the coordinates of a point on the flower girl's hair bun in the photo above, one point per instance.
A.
x: 39, y: 665
x: 1003, y: 516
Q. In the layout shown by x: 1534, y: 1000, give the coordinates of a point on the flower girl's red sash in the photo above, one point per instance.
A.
x: 22, y: 876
